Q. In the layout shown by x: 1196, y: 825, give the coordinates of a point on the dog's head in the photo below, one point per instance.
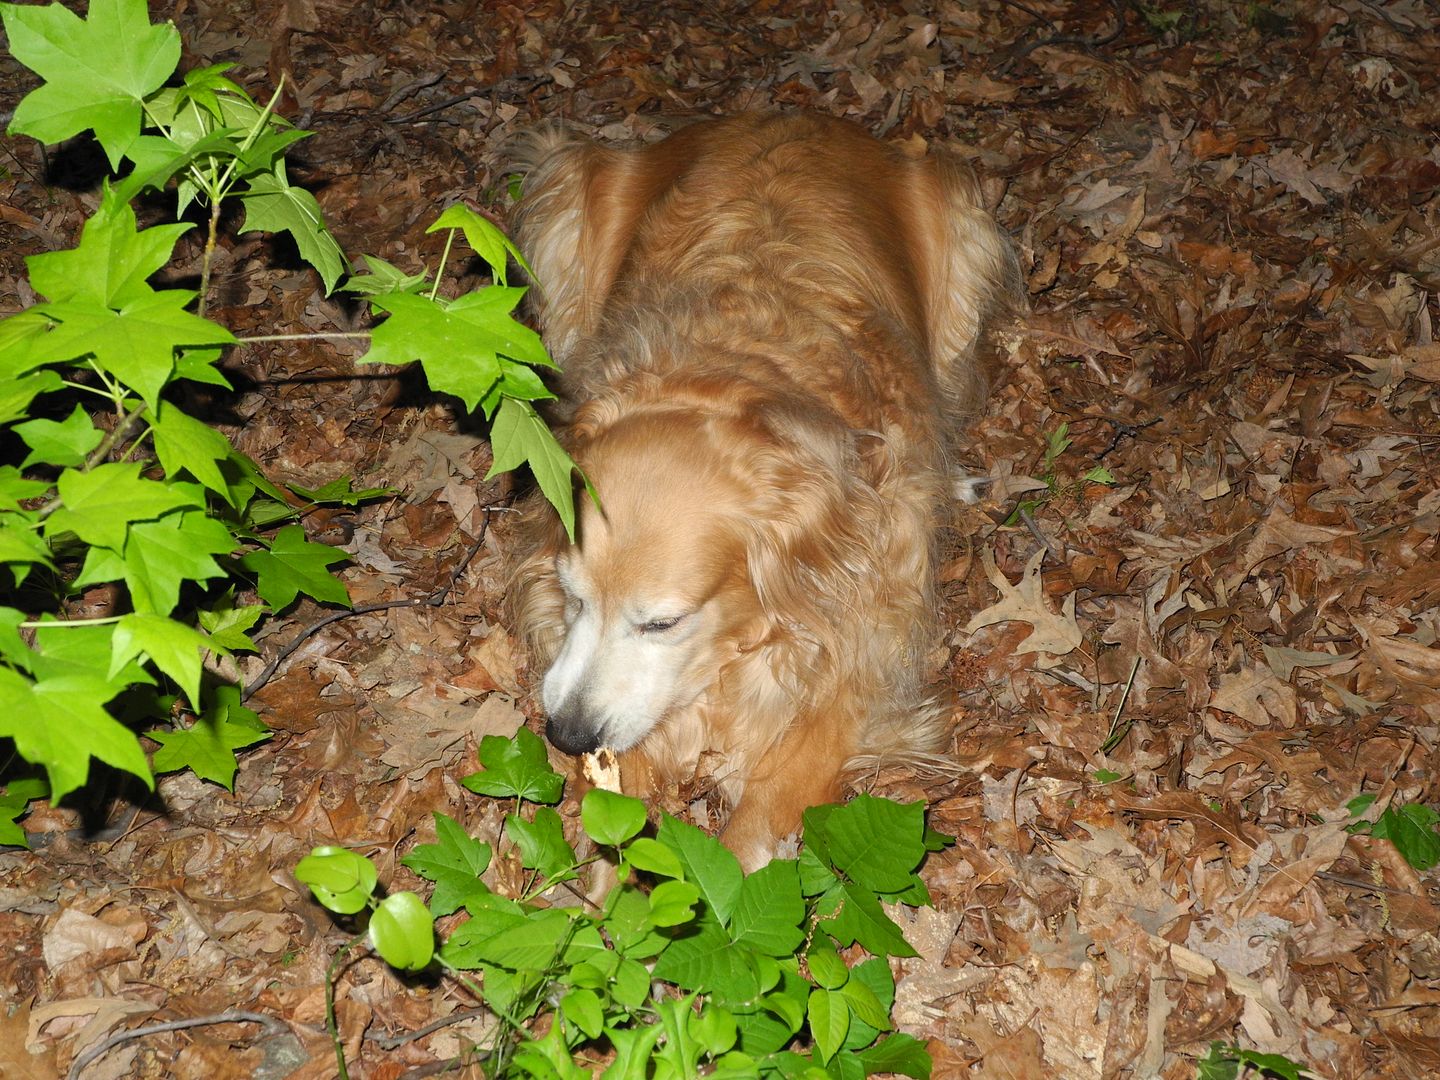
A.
x: 657, y: 597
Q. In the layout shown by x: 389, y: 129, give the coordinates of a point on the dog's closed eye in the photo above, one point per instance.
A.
x: 660, y: 626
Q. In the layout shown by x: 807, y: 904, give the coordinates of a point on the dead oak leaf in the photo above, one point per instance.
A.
x: 1255, y: 694
x: 1053, y: 633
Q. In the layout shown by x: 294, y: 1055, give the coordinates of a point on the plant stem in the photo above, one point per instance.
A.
x: 39, y: 624
x: 99, y: 454
x: 303, y: 337
x: 208, y: 258
x: 444, y: 258
x: 331, y: 974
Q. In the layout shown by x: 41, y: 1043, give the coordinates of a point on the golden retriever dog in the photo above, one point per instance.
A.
x: 767, y: 327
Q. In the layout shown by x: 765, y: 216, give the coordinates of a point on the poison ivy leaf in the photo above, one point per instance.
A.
x: 183, y: 443
x: 611, y: 819
x: 704, y: 959
x: 871, y: 990
x: 542, y: 844
x: 672, y: 903
x: 484, y: 239
x: 1412, y: 830
x: 634, y: 1051
x: 516, y: 768
x: 173, y: 647
x: 582, y: 1008
x: 340, y: 492
x: 857, y: 916
x: 294, y: 565
x: 529, y: 941
x: 901, y: 1054
x: 403, y: 932
x: 14, y: 803
x: 207, y: 747
x: 653, y: 857
x: 454, y: 863
x: 518, y: 436
x: 135, y: 344
x: 112, y: 263
x: 64, y: 442
x: 459, y: 343
x: 829, y: 1015
x: 60, y: 723
x: 273, y: 204
x: 99, y: 505
x: 97, y: 71
x: 770, y: 913
x: 707, y: 862
x: 877, y: 843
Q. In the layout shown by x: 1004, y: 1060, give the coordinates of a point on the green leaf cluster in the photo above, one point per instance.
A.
x: 759, y: 974
x: 119, y: 486
x: 1231, y: 1062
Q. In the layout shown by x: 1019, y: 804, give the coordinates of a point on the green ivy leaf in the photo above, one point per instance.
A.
x: 66, y: 442
x: 60, y: 723
x: 207, y: 747
x: 17, y: 394
x: 403, y: 932
x: 707, y: 961
x: 294, y: 565
x: 654, y: 858
x: 517, y: 767
x: 227, y: 624
x: 385, y: 278
x: 97, y: 72
x: 273, y: 204
x: 542, y: 844
x: 872, y: 982
x: 454, y: 863
x: 159, y: 555
x: 341, y: 880
x: 15, y: 489
x: 857, y: 916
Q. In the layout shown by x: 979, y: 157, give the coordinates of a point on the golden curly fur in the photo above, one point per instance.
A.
x: 768, y: 330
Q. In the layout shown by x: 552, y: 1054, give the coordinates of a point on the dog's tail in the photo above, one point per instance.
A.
x: 919, y: 740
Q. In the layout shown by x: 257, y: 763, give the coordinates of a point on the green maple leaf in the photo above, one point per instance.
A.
x: 519, y: 436
x: 484, y: 238
x: 14, y: 804
x: 184, y: 443
x: 111, y: 264
x: 99, y: 505
x: 16, y: 394
x: 294, y: 565
x: 273, y: 204
x: 454, y: 863
x: 172, y: 646
x: 60, y: 723
x: 64, y: 442
x: 98, y: 71
x: 459, y: 343
x: 135, y: 344
x: 207, y: 747
x: 227, y: 624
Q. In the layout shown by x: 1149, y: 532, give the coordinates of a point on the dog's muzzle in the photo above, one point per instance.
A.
x: 572, y: 734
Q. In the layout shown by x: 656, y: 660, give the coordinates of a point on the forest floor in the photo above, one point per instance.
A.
x: 1168, y: 685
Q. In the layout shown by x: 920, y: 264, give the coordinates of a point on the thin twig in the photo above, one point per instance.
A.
x: 435, y: 599
x: 1083, y: 42
x: 392, y: 1042
x: 235, y: 1016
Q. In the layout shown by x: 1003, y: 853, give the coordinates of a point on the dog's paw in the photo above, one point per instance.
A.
x: 968, y: 487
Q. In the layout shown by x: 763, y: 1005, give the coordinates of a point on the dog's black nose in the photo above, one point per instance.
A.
x: 572, y: 734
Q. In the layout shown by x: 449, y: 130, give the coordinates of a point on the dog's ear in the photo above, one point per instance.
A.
x: 813, y: 548
x: 534, y: 603
x: 576, y: 222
